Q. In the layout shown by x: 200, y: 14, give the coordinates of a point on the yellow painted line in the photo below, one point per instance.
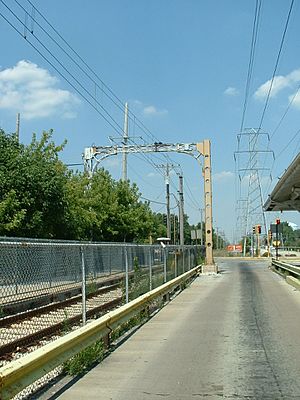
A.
x: 20, y: 373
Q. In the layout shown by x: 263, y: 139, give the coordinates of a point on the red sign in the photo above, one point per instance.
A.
x: 238, y: 248
x: 235, y: 248
x: 230, y: 247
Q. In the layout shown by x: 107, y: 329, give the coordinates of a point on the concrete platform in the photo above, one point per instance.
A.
x: 234, y: 335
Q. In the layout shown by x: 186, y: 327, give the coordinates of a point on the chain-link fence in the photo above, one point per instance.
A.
x: 33, y: 268
x: 49, y: 287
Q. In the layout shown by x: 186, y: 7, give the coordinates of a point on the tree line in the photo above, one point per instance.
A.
x: 41, y: 198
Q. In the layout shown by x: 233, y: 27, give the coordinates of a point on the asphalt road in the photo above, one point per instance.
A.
x: 231, y: 336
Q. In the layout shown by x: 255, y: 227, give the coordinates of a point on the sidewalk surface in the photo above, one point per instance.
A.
x: 232, y: 336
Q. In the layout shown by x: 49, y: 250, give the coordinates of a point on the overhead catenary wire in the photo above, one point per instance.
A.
x: 112, y: 96
x: 54, y: 67
x: 90, y: 98
x: 114, y: 124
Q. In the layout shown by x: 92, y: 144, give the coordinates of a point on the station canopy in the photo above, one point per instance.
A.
x: 286, y: 194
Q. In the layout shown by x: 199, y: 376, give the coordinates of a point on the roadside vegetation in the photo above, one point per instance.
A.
x: 41, y: 198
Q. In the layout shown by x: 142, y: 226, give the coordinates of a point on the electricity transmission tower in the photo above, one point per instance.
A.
x: 251, y: 158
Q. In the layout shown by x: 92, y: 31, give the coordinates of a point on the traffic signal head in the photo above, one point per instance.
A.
x: 277, y: 221
x: 258, y: 228
x: 254, y: 229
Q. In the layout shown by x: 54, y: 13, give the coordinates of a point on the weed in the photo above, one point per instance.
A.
x: 66, y: 327
x: 84, y: 360
x: 92, y: 286
x: 2, y: 312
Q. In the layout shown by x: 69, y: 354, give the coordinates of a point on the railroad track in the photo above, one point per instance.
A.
x: 19, y: 331
x: 31, y: 321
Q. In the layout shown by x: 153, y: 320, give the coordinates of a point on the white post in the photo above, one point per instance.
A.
x: 83, y: 287
x: 126, y: 275
x: 150, y: 268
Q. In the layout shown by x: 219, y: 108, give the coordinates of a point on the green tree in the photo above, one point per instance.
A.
x: 32, y: 187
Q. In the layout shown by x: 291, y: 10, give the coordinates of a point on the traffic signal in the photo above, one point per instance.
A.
x: 254, y: 230
x: 277, y: 221
x: 270, y: 235
x: 259, y: 229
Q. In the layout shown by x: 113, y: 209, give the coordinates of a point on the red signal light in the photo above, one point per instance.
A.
x: 277, y: 221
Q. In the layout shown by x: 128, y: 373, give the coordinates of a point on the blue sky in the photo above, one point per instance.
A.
x: 182, y: 67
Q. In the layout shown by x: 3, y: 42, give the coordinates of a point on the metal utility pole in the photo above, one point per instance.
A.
x: 174, y: 221
x: 125, y: 142
x: 18, y: 127
x: 168, y: 201
x: 181, y: 212
x: 167, y: 168
x: 174, y: 228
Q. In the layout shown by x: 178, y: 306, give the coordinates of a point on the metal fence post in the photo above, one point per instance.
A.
x: 190, y: 261
x: 165, y: 264
x: 150, y: 269
x: 183, y: 260
x: 126, y: 275
x: 175, y: 263
x: 83, y: 287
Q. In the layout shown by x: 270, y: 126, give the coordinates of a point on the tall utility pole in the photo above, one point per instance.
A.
x: 125, y: 142
x: 167, y: 167
x: 168, y: 201
x: 181, y: 212
x: 18, y: 127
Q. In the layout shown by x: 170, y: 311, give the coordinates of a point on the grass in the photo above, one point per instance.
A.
x: 84, y: 360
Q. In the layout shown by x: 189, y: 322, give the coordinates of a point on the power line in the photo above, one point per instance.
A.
x: 112, y: 96
x: 54, y: 67
x: 116, y: 128
x: 273, y: 75
x: 285, y: 113
x: 290, y: 141
x: 276, y: 64
x: 251, y: 59
x: 88, y: 96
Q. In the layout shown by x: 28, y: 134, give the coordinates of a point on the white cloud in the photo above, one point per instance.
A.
x: 153, y: 111
x: 152, y: 174
x: 295, y: 98
x: 32, y: 91
x: 149, y: 110
x: 280, y: 82
x: 222, y: 176
x: 231, y: 91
